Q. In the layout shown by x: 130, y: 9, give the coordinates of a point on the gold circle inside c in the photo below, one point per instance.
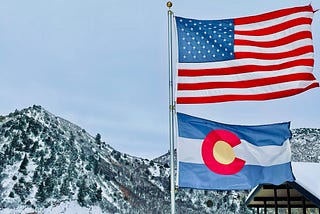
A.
x: 223, y: 152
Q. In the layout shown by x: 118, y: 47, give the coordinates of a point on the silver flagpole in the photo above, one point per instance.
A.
x: 171, y: 109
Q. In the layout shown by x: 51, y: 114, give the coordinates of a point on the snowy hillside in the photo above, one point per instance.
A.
x: 49, y: 165
x: 46, y: 160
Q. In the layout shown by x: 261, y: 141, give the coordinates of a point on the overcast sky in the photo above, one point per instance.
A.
x: 102, y: 64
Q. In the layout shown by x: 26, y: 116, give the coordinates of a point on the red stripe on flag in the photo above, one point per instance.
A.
x: 227, y: 98
x: 247, y: 83
x: 272, y: 15
x: 274, y: 56
x: 243, y: 69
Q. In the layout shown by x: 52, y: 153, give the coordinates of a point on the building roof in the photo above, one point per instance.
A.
x: 305, y: 190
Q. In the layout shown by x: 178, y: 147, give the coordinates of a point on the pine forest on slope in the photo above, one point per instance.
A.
x: 46, y: 161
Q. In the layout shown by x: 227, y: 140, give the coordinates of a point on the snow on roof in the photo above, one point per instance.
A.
x: 307, y: 184
x: 307, y: 175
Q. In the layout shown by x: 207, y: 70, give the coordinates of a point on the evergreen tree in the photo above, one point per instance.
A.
x: 16, y: 144
x: 93, y: 193
x: 41, y: 195
x: 26, y: 142
x: 22, y: 188
x: 36, y: 177
x: 9, y: 155
x: 51, y: 159
x: 39, y: 169
x: 99, y: 194
x: 98, y: 139
x: 49, y: 185
x: 93, y: 164
x: 48, y: 141
x: 11, y: 195
x: 2, y: 162
x: 64, y: 188
x: 233, y: 207
x: 71, y: 140
x: 82, y: 193
x: 34, y: 148
x: 23, y: 165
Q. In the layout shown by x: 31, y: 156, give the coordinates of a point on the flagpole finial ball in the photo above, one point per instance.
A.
x: 169, y: 4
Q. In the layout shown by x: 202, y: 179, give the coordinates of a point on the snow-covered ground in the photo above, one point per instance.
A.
x: 64, y: 208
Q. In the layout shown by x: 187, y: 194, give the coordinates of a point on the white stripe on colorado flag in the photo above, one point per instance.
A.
x: 189, y: 150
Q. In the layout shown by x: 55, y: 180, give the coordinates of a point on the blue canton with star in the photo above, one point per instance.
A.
x: 205, y: 40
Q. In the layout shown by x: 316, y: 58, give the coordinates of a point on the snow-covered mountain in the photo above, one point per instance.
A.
x: 49, y: 165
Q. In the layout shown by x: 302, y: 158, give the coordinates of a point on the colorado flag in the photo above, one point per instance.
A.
x: 219, y: 156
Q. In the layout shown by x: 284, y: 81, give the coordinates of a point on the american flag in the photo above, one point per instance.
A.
x: 260, y: 57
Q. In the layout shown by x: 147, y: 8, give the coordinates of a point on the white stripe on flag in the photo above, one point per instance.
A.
x: 245, y: 76
x: 240, y: 62
x: 247, y: 91
x: 189, y: 150
x: 277, y: 49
